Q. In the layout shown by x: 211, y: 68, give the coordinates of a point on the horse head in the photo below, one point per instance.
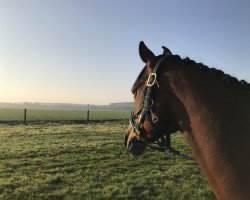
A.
x: 153, y: 115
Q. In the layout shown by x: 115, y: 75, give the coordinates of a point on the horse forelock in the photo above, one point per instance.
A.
x: 138, y: 81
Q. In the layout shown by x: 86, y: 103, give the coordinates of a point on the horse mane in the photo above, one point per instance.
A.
x: 217, y: 73
x: 201, y: 67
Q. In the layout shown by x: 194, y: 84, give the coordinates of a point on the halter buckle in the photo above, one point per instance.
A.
x: 151, y: 79
x: 155, y: 119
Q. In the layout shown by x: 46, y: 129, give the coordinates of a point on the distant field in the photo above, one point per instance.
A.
x: 10, y: 115
x: 77, y: 161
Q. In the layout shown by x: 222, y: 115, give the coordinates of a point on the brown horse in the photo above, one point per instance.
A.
x: 210, y: 108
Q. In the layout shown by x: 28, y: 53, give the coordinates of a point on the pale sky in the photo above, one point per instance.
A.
x: 72, y: 51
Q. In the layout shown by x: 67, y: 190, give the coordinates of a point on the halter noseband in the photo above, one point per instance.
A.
x: 146, y: 113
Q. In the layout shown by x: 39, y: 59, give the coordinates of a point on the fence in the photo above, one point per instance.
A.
x: 77, y: 116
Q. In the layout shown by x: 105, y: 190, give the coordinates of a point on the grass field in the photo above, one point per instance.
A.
x: 72, y: 161
x: 17, y: 115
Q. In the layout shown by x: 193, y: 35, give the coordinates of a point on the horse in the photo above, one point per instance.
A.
x: 209, y: 107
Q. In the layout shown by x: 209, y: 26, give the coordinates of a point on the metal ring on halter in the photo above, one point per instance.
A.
x: 151, y: 79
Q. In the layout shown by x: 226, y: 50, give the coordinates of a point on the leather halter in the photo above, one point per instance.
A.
x: 145, y: 113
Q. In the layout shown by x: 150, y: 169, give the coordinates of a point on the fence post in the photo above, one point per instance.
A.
x: 87, y: 117
x: 25, y: 117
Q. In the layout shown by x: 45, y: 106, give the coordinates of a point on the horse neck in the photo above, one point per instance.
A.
x: 208, y: 99
x: 215, y: 126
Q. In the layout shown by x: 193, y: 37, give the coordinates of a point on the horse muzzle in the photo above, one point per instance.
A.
x: 134, y: 146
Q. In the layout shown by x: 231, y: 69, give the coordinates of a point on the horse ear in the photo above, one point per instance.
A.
x: 166, y: 51
x: 146, y: 55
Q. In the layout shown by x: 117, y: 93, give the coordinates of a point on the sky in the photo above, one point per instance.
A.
x: 86, y: 51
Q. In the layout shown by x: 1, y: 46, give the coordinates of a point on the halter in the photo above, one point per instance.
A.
x: 146, y: 113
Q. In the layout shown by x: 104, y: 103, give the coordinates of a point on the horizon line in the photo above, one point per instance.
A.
x: 30, y: 102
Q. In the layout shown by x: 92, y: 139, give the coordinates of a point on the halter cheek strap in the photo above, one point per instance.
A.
x: 145, y: 113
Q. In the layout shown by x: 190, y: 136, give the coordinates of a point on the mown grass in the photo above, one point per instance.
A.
x: 55, y: 161
x: 17, y: 115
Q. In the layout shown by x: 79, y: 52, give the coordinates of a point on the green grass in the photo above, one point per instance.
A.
x: 72, y: 161
x: 10, y: 115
